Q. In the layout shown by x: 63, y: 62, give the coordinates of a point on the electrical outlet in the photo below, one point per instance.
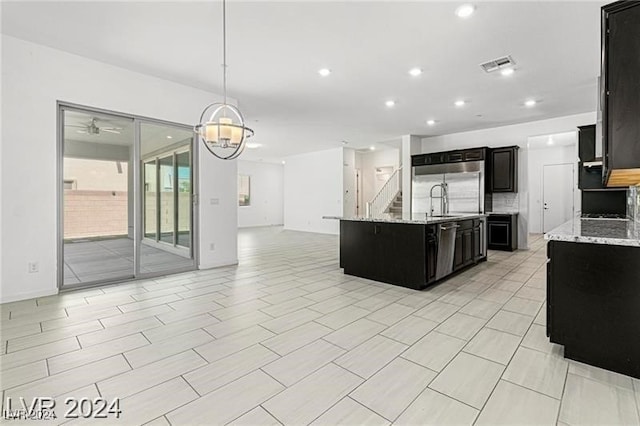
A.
x: 212, y: 246
x: 215, y: 201
x: 33, y: 267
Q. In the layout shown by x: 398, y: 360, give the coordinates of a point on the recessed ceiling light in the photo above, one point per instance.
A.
x: 253, y: 145
x: 284, y: 162
x: 390, y: 103
x: 372, y: 148
x: 324, y: 72
x: 169, y: 137
x: 415, y: 72
x: 550, y: 141
x: 459, y: 103
x: 431, y: 122
x: 530, y: 102
x: 507, y: 71
x: 345, y: 143
x: 465, y: 10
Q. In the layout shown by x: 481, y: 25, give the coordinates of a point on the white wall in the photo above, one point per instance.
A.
x: 516, y: 134
x: 538, y: 158
x: 349, y: 189
x: 266, y: 191
x: 34, y: 77
x: 312, y: 189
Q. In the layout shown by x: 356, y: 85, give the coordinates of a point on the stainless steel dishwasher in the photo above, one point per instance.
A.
x: 446, y: 248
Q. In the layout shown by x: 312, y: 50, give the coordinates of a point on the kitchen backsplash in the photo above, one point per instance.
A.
x: 633, y: 203
x: 505, y: 202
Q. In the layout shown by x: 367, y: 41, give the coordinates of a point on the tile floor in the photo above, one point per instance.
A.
x: 287, y: 338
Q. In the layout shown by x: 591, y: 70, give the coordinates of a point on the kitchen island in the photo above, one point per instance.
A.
x: 411, y: 253
x: 593, y: 292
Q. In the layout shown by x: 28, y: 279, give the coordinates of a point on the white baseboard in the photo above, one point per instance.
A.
x: 230, y: 262
x: 26, y: 296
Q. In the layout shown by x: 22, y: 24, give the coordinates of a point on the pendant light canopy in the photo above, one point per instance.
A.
x: 222, y: 127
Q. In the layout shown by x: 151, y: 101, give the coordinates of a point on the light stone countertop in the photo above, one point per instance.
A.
x: 619, y: 232
x: 429, y: 221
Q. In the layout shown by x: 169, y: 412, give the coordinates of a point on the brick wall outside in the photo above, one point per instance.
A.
x: 104, y: 213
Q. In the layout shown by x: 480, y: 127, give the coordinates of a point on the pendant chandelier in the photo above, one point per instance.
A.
x: 221, y: 126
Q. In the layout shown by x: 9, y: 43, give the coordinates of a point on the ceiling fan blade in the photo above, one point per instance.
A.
x: 110, y: 131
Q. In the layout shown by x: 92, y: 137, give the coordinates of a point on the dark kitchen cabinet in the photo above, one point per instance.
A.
x: 503, y: 169
x: 502, y: 232
x: 587, y: 142
x: 467, y: 245
x: 621, y: 93
x: 592, y: 304
x: 475, y: 154
x: 432, y: 253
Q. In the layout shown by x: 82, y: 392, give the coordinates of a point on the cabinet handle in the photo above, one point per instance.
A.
x: 446, y: 228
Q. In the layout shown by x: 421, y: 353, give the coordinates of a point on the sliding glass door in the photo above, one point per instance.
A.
x: 125, y: 197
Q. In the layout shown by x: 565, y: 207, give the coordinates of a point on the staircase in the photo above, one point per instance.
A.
x: 395, y: 208
x: 388, y: 202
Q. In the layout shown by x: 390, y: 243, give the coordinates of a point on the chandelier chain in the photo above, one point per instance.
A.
x: 224, y: 49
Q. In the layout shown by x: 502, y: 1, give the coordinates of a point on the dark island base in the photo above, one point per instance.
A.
x: 593, y: 304
x: 405, y: 254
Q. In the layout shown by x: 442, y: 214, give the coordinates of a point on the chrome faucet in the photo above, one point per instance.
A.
x: 444, y: 199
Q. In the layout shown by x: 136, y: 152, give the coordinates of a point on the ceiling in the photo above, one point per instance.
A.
x: 275, y: 50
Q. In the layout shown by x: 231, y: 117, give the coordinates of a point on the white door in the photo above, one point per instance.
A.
x: 557, y: 195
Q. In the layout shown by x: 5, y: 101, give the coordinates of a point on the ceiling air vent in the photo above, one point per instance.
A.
x: 496, y: 64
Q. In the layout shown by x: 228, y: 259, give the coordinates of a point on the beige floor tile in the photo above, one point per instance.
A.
x: 537, y: 294
x: 433, y: 408
x: 9, y: 332
x: 522, y: 306
x: 409, y: 330
x: 437, y: 311
x: 601, y: 375
x: 507, y: 285
x: 67, y: 381
x: 461, y: 326
x: 481, y: 308
x: 298, y: 364
x: 121, y: 319
x: 26, y: 373
x: 233, y: 343
x: 342, y: 317
x: 371, y: 356
x: 514, y: 405
x: 227, y: 403
x: 256, y: 417
x: 36, y: 353
x: 160, y: 421
x: 251, y: 306
x: 352, y: 335
x: 497, y: 296
x: 416, y: 300
x: 468, y: 379
x: 536, y: 338
x: 135, y: 306
x: 510, y: 322
x: 458, y: 297
x: 392, y: 389
x: 52, y: 336
x: 97, y: 352
x: 151, y: 403
x: 296, y: 338
x: 434, y: 350
x: 289, y: 321
x: 493, y: 345
x: 391, y: 314
x: 238, y: 323
x: 309, y: 398
x: 219, y: 373
x: 156, y: 351
x: 176, y: 329
x: 282, y: 296
x: 349, y: 412
x: 153, y: 374
x: 111, y: 333
x: 544, y: 373
x: 591, y: 402
x: 332, y: 304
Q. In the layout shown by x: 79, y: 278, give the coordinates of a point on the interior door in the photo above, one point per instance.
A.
x: 557, y: 195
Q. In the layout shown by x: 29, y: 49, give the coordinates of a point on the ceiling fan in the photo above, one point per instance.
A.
x: 93, y: 129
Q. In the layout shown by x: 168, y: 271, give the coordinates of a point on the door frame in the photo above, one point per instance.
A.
x: 573, y: 182
x: 61, y: 107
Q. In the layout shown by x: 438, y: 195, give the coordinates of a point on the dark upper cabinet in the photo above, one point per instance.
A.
x: 621, y: 87
x: 475, y: 154
x: 503, y: 169
x: 587, y: 142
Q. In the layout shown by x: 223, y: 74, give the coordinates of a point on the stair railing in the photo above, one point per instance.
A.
x: 385, y: 197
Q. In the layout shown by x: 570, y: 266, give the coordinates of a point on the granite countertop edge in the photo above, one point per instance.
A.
x: 598, y: 231
x: 410, y: 222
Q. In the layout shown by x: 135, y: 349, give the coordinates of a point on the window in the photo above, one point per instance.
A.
x: 244, y: 194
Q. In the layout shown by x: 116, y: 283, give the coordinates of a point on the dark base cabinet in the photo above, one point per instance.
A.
x: 593, y: 304
x: 404, y: 254
x: 502, y: 232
